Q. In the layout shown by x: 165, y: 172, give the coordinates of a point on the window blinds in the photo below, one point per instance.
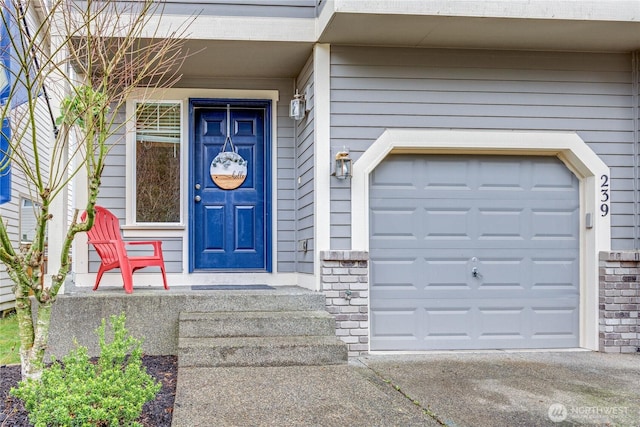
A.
x: 158, y: 122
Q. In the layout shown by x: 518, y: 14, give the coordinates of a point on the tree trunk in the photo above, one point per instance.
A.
x: 33, y: 336
x: 26, y: 332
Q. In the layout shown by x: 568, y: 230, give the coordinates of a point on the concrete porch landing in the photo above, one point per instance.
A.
x: 153, y: 314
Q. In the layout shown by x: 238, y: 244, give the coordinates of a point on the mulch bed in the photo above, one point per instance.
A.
x: 157, y: 413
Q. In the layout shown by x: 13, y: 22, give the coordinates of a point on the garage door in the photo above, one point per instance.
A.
x: 473, y: 252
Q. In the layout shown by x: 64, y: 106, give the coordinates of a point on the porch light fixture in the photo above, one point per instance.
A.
x: 342, y: 165
x: 297, y: 108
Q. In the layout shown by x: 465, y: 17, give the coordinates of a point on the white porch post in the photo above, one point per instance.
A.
x: 322, y: 154
x: 57, y: 227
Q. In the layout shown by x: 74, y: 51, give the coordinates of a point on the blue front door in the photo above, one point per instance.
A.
x: 229, y: 229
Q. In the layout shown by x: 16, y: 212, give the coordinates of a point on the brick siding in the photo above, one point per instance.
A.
x: 345, y: 283
x: 619, y: 302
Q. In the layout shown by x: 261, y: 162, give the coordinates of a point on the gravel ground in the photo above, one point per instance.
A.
x: 157, y: 413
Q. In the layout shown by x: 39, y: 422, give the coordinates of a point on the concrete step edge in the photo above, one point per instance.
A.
x: 237, y: 352
x: 278, y: 341
x: 187, y: 316
x: 257, y: 301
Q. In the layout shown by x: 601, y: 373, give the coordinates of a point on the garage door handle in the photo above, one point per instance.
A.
x: 474, y: 272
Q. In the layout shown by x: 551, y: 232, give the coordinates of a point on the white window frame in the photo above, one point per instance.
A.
x: 133, y: 228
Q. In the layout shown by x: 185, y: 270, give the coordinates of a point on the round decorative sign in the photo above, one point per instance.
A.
x: 228, y: 170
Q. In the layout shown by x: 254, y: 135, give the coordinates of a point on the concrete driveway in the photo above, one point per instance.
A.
x: 453, y: 389
x: 518, y: 388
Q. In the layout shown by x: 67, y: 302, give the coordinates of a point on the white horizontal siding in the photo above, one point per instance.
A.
x: 20, y: 187
x: 373, y: 89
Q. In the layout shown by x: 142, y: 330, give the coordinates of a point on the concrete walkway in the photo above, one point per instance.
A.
x: 339, y: 395
x: 453, y: 389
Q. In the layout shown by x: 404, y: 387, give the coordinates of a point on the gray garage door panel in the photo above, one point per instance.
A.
x: 480, y: 324
x: 434, y: 220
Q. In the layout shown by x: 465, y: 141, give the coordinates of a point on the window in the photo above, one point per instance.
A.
x: 157, y: 162
x: 29, y: 211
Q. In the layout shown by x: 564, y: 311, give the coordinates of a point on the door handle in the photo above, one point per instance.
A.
x: 197, y: 199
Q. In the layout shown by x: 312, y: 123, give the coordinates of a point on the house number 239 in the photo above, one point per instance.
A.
x: 604, y: 195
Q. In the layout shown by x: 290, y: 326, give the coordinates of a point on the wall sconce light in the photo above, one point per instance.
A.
x: 342, y: 166
x: 297, y: 108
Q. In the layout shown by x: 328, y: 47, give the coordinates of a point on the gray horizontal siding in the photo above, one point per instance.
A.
x: 113, y: 189
x: 112, y: 196
x: 482, y: 98
x: 635, y: 151
x: 246, y: 8
x: 171, y: 251
x: 305, y: 202
x: 285, y: 234
x: 285, y: 154
x: 112, y: 184
x: 373, y: 89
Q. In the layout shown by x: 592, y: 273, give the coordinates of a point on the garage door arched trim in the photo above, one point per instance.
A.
x: 568, y: 147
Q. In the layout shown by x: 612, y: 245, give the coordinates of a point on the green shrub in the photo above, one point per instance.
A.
x: 78, y: 392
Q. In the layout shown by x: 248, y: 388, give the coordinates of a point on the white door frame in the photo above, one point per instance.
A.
x: 595, y: 233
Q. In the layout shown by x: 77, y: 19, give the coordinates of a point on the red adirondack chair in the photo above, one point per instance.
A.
x: 106, y: 238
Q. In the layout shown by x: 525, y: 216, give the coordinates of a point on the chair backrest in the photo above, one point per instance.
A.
x: 106, y: 228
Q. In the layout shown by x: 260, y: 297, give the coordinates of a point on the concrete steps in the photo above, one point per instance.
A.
x: 272, y: 330
x: 261, y: 351
x: 255, y: 324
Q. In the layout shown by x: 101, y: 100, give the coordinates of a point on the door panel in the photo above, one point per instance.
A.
x: 214, y: 228
x: 229, y: 228
x: 474, y: 252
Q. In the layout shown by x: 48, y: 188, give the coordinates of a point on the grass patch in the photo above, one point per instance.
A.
x: 9, y: 340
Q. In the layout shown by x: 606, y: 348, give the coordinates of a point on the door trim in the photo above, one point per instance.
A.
x: 567, y: 146
x: 268, y: 165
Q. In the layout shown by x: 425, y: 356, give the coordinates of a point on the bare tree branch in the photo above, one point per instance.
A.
x: 93, y: 55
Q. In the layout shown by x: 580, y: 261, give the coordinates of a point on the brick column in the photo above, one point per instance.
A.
x: 619, y: 302
x: 345, y: 283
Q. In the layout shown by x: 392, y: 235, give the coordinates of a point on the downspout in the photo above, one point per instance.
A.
x: 635, y: 85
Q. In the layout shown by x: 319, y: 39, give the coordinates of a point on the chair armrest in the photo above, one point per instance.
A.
x: 140, y: 242
x: 102, y: 242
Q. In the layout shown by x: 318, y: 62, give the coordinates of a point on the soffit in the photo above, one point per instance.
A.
x: 244, y: 59
x: 481, y: 32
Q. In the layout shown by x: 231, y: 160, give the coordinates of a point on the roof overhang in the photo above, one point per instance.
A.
x: 246, y: 59
x: 276, y: 47
x: 561, y: 25
x: 241, y: 46
x: 482, y: 33
x: 279, y: 47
